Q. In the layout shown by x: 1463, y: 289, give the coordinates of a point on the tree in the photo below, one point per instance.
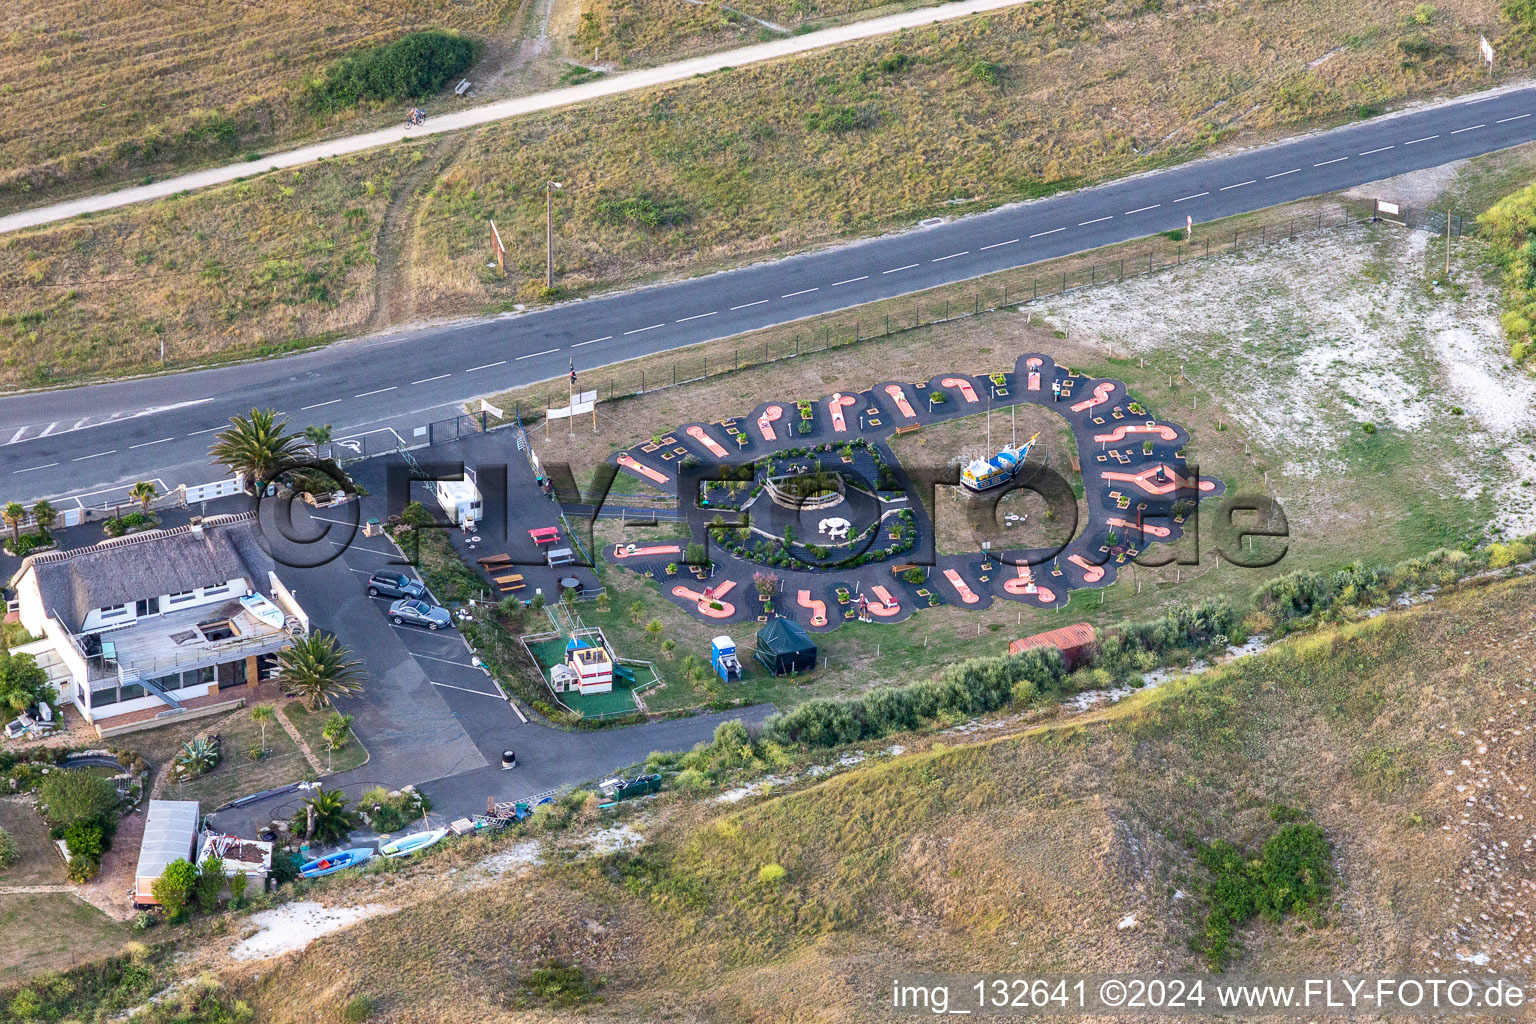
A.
x: 198, y: 756
x: 143, y: 492
x: 318, y: 669
x: 75, y: 796
x: 318, y: 435
x: 654, y: 627
x: 335, y: 731
x: 636, y: 611
x: 257, y: 446
x: 261, y: 714
x: 45, y: 514
x: 175, y: 886
x: 324, y: 817
x: 22, y: 682
x: 13, y: 513
x: 210, y: 882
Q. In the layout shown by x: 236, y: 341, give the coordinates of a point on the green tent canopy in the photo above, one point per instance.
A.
x: 784, y: 648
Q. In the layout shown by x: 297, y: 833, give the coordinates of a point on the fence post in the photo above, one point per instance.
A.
x: 946, y: 309
x: 887, y: 323
x: 1005, y: 293
x: 1093, y: 273
x: 674, y: 374
x: 642, y: 382
x: 1122, y: 268
x: 855, y: 332
x: 1034, y: 284
x: 1063, y: 281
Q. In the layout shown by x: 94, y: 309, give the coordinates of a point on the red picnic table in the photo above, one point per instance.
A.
x: 545, y: 534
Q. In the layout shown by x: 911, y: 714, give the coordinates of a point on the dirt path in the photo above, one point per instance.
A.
x: 394, y: 300
x: 309, y: 755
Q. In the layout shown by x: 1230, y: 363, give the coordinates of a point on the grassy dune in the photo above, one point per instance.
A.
x: 98, y: 92
x: 1023, y: 853
x: 741, y: 165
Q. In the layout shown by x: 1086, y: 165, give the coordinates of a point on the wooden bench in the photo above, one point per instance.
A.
x: 515, y: 577
x: 462, y: 87
x: 492, y: 561
x: 910, y: 428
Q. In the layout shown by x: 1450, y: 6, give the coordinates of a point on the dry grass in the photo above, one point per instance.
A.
x: 101, y: 92
x: 1019, y: 854
x: 1082, y: 92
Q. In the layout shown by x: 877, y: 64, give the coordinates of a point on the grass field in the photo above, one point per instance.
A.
x: 103, y: 93
x: 52, y: 931
x: 1027, y: 852
x: 236, y: 774
x: 741, y: 165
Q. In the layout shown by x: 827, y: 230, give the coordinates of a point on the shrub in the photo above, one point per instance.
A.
x: 237, y: 886
x: 358, y: 1009
x: 771, y: 874
x: 175, y: 886
x: 210, y: 882
x: 72, y: 797
x: 22, y: 682
x: 832, y: 119
x: 985, y: 72
x: 10, y: 850
x: 646, y: 210
x: 413, y: 66
x: 392, y: 810
x: 555, y: 984
x: 85, y: 839
x: 1291, y: 875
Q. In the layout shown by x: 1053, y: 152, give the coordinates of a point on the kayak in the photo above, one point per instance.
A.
x: 407, y: 845
x: 335, y: 862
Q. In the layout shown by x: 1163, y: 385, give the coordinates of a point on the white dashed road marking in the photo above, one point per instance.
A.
x: 1469, y: 128
x: 1383, y: 149
x: 746, y: 305
x: 365, y: 394
x: 802, y: 291
x: 1335, y: 160
x: 998, y: 245
x: 1240, y: 184
x: 146, y: 444
x: 205, y: 430
x: 96, y: 456
x: 894, y: 270
x: 31, y: 469
x: 1143, y: 209
x: 851, y: 280
x: 486, y: 366
x: 1197, y: 195
x: 697, y: 316
x: 1517, y: 117
x: 1096, y: 220
x: 548, y: 351
x: 428, y: 380
x: 594, y: 341
x: 1042, y: 234
x: 1426, y: 138
x: 941, y: 259
x: 318, y: 405
x: 637, y: 330
x: 1282, y: 174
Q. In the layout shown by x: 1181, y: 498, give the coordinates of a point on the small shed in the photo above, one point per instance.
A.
x: 785, y: 648
x: 170, y: 833
x: 249, y: 857
x: 1075, y: 642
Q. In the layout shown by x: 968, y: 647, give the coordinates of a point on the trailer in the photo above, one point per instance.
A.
x: 460, y: 499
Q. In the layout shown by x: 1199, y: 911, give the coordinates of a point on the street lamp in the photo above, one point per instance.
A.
x: 549, y: 234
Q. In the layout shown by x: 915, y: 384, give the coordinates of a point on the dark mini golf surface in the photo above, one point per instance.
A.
x: 860, y: 540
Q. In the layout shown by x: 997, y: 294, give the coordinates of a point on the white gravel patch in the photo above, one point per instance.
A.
x: 295, y: 925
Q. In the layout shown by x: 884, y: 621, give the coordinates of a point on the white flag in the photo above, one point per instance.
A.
x: 1485, y: 48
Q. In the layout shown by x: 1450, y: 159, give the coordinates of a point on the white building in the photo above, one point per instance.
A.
x: 143, y: 628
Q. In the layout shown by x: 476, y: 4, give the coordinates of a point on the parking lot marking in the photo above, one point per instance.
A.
x: 445, y: 661
x: 450, y: 686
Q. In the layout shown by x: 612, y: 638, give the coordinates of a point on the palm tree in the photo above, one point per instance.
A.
x: 324, y: 817
x: 257, y: 446
x: 44, y: 514
x: 143, y: 492
x: 317, y: 668
x: 262, y: 714
x: 13, y: 513
x: 318, y: 435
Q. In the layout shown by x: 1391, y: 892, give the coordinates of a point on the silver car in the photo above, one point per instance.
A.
x: 419, y: 613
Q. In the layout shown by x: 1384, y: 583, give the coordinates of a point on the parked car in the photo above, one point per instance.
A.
x: 389, y: 583
x: 419, y: 613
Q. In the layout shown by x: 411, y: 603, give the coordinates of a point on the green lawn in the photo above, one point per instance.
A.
x: 51, y: 931
x: 40, y: 863
x: 237, y: 774
x: 311, y: 724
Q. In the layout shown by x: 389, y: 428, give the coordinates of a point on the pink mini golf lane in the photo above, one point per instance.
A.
x: 1034, y: 364
x: 1165, y: 432
x: 698, y: 434
x: 900, y: 398
x: 620, y: 551
x: 715, y: 594
x: 887, y: 606
x: 1147, y: 480
x: 837, y: 404
x: 1150, y: 529
x: 1019, y: 586
x: 818, y: 609
x: 766, y: 421
x: 1091, y: 573
x: 1101, y: 395
x: 646, y: 471
x: 958, y: 582
x: 965, y: 386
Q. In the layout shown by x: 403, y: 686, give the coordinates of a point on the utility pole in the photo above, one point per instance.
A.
x: 549, y: 234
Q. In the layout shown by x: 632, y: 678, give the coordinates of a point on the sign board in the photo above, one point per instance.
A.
x: 1391, y: 211
x: 583, y: 403
x: 498, y: 250
x: 1485, y: 48
x: 488, y: 407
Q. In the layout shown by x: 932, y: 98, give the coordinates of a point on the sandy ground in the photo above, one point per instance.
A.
x: 295, y: 925
x: 1323, y: 334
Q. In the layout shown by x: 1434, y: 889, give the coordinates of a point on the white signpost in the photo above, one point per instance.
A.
x: 1485, y: 48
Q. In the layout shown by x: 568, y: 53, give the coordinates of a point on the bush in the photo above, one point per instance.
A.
x: 358, y: 1009
x: 644, y: 209
x: 771, y: 874
x: 412, y: 67
x: 10, y: 850
x: 210, y: 882
x: 175, y: 886
x: 22, y: 682
x: 78, y: 797
x: 392, y: 810
x: 237, y: 887
x: 85, y: 839
x: 835, y: 119
x: 1291, y: 875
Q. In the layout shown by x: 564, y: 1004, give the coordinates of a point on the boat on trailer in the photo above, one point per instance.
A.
x: 334, y: 862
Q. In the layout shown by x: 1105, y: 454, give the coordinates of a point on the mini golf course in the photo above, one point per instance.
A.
x: 811, y: 492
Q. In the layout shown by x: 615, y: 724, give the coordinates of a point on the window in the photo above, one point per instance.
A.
x: 183, y: 596
x: 210, y: 591
x: 112, y: 611
x: 131, y: 690
x: 170, y: 682
x: 101, y: 698
x: 198, y: 676
x: 150, y: 606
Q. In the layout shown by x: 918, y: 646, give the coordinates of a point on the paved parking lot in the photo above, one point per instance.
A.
x: 428, y: 716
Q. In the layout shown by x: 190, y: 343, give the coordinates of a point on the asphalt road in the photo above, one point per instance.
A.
x: 95, y: 438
